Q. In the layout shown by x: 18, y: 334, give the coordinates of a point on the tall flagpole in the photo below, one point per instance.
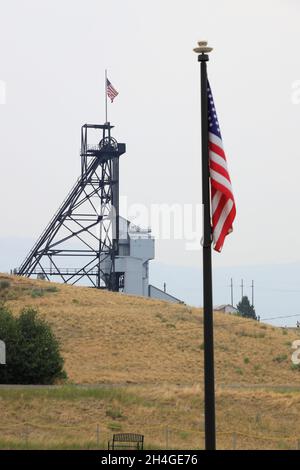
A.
x: 106, y: 96
x: 209, y: 377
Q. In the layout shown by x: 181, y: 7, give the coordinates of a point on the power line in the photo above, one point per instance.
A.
x: 284, y: 316
x: 246, y: 320
x: 262, y: 319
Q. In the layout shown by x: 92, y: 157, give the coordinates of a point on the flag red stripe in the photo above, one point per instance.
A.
x: 215, y: 148
x: 220, y: 187
x: 227, y: 228
x: 219, y: 169
x: 218, y: 211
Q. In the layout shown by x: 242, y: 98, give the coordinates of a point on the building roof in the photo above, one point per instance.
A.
x: 223, y: 307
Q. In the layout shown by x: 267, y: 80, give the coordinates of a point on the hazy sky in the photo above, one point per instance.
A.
x: 53, y: 57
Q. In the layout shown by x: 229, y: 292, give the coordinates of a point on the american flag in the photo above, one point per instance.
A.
x: 222, y: 200
x: 110, y: 90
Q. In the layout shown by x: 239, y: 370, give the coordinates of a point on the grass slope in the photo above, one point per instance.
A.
x: 168, y: 415
x: 148, y: 356
x: 115, y: 338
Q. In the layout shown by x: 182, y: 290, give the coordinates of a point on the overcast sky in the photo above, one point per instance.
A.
x: 53, y: 57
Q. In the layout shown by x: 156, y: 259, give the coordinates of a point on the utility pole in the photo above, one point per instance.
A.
x: 252, y: 293
x: 231, y: 291
x: 242, y: 287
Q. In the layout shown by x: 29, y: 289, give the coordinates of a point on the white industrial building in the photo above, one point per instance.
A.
x: 226, y: 308
x: 136, y: 250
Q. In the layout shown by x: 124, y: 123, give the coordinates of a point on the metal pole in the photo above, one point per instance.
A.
x: 242, y: 288
x: 231, y: 289
x: 252, y: 288
x: 209, y: 377
x: 106, y: 96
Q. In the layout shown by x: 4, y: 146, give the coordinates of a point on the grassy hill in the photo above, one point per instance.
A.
x: 142, y: 362
x: 115, y: 338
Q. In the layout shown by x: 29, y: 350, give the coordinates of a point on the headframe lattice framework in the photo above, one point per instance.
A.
x: 81, y: 240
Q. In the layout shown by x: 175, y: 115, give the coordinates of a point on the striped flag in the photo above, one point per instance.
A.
x: 110, y: 90
x: 222, y: 200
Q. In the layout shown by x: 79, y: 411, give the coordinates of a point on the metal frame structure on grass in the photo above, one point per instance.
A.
x: 82, y: 239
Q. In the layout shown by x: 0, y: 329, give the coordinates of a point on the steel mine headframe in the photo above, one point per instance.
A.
x: 81, y: 240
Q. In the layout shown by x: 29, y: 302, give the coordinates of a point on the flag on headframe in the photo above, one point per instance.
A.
x: 222, y: 200
x: 110, y: 90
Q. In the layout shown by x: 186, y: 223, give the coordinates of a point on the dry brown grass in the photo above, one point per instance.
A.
x: 153, y: 350
x: 259, y: 420
x: 114, y: 338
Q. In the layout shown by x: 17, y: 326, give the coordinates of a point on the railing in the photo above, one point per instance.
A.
x: 54, y: 271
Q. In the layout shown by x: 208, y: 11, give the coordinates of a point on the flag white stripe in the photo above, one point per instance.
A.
x: 215, y: 140
x: 220, y: 179
x: 215, y: 200
x: 217, y: 159
x: 223, y: 216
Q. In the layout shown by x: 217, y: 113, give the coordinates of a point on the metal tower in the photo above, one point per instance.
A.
x: 82, y: 239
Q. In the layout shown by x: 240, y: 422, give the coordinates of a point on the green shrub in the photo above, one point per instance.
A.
x: 8, y: 334
x: 184, y: 435
x: 280, y: 358
x: 246, y: 360
x: 32, y: 351
x: 40, y: 292
x: 114, y: 413
x: 4, y: 284
x: 114, y: 427
x: 260, y: 334
x: 51, y: 289
x: 37, y: 293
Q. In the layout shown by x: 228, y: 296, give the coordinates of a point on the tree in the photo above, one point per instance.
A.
x: 246, y: 309
x: 32, y: 351
x: 8, y: 334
